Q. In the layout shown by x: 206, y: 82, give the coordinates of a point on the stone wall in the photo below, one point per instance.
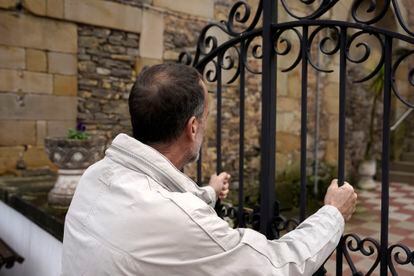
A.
x: 64, y: 61
x: 106, y: 71
x: 38, y: 85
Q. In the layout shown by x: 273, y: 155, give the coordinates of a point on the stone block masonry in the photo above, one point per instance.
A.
x: 36, y: 60
x: 106, y: 71
x: 104, y: 13
x: 38, y: 83
x: 24, y: 30
x: 12, y: 57
x: 37, y: 107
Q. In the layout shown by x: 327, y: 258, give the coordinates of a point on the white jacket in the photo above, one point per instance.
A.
x: 134, y: 213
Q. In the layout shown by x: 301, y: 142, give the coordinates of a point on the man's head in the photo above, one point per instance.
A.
x: 168, y: 105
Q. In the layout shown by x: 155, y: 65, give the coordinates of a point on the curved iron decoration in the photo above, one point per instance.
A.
x: 367, y: 247
x: 240, y: 13
x: 278, y: 39
x: 410, y: 77
x: 371, y: 10
x: 322, y: 45
x: 256, y: 54
x: 400, y: 18
x: 236, y: 16
x: 251, y: 217
x: 228, y: 61
x: 406, y: 259
x: 325, y: 6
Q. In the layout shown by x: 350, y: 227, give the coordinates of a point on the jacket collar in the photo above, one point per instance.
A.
x: 137, y: 156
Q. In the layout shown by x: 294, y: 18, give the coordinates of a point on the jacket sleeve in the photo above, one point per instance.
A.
x: 208, y: 195
x: 303, y: 250
x: 300, y: 252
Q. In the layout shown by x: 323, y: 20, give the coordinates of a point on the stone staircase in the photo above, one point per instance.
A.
x: 403, y: 171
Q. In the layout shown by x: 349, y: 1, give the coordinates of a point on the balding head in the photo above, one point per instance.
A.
x: 163, y: 98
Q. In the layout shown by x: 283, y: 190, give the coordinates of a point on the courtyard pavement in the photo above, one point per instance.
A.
x: 366, y: 223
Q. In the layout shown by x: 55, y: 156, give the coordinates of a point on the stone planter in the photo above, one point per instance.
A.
x: 367, y: 170
x: 72, y: 157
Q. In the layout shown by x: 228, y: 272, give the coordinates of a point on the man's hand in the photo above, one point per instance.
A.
x: 220, y: 184
x: 343, y: 198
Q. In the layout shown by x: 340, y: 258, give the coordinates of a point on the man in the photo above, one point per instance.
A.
x: 135, y: 213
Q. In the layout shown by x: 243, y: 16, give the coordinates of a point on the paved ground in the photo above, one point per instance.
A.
x: 366, y: 223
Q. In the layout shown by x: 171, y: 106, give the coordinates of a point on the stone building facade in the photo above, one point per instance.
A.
x: 63, y: 61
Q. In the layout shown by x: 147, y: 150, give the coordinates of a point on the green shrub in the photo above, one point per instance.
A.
x: 288, y: 189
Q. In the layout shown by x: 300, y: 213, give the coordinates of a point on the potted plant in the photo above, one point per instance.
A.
x: 72, y: 155
x: 367, y: 167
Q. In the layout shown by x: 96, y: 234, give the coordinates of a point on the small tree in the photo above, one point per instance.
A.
x: 367, y: 168
x: 376, y: 87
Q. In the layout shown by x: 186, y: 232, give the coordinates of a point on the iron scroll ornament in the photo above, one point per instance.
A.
x: 283, y: 47
x: 367, y: 247
x: 406, y: 259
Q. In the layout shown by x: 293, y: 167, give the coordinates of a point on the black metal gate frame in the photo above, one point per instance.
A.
x: 242, y: 42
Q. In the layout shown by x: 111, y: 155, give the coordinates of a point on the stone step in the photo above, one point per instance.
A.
x: 407, y: 156
x: 402, y: 177
x: 410, y: 145
x: 398, y: 177
x: 402, y: 166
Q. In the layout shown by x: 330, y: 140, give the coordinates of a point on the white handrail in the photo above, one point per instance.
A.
x: 402, y: 118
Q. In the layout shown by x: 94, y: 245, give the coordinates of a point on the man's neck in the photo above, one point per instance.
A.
x: 173, y: 152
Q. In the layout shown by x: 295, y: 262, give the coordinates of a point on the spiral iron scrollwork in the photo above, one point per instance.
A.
x: 279, y: 39
x: 377, y: 12
x: 403, y: 256
x: 400, y: 18
x: 228, y: 211
x: 254, y: 49
x: 242, y: 17
x: 235, y: 26
x: 228, y: 60
x: 250, y: 217
x: 367, y: 247
x: 185, y: 58
x: 323, y: 7
x: 211, y: 71
x: 410, y: 76
x: 367, y: 52
x: 332, y: 36
x: 373, y: 9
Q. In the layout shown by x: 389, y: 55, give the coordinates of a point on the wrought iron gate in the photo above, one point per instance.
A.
x: 243, y: 29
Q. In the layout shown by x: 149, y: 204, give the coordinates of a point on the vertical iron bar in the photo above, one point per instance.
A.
x: 341, y: 138
x: 218, y: 128
x: 268, y: 131
x: 241, y: 137
x: 316, y: 134
x: 342, y: 98
x: 385, y: 155
x: 218, y: 120
x: 303, y: 131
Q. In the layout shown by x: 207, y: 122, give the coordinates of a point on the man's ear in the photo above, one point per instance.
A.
x: 191, y: 128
